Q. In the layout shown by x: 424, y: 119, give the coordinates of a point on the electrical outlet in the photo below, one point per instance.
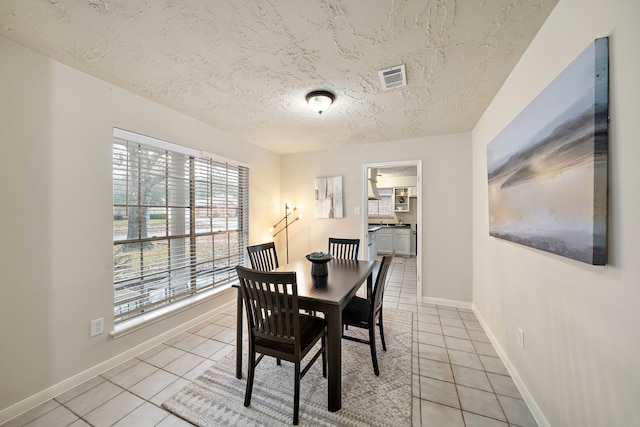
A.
x: 521, y: 338
x: 97, y: 327
x: 357, y: 210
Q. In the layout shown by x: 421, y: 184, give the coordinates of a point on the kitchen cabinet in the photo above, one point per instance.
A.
x: 402, y: 241
x: 401, y: 199
x: 384, y: 240
x: 372, y: 244
x: 390, y: 238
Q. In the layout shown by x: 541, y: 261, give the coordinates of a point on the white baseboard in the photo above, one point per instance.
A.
x: 63, y: 386
x: 447, y: 302
x: 522, y: 388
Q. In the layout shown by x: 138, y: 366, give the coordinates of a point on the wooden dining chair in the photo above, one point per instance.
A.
x: 263, y: 257
x: 277, y: 328
x: 366, y: 313
x: 344, y: 248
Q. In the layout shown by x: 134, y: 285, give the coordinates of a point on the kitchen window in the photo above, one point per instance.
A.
x: 383, y: 207
x: 180, y: 223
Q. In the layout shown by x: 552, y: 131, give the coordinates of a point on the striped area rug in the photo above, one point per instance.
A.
x: 216, y: 397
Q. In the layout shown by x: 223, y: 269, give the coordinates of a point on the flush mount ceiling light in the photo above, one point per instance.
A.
x: 320, y: 100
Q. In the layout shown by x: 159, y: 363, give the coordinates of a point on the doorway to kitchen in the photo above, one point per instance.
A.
x: 393, y: 213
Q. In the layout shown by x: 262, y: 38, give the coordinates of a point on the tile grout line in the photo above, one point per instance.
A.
x: 402, y: 290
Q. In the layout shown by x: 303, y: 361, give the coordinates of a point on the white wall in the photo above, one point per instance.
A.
x: 446, y: 204
x: 582, y: 341
x: 56, y: 227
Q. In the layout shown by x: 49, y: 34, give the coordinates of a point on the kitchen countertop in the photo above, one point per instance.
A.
x: 376, y: 227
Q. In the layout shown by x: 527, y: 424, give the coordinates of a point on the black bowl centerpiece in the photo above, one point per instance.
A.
x: 319, y: 262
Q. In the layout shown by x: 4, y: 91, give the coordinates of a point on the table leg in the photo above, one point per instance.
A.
x: 239, y: 336
x: 334, y: 357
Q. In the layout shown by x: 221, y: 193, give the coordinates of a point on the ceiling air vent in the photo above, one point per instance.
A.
x: 393, y: 77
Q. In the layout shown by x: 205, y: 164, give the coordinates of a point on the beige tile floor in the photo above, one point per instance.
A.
x: 457, y: 377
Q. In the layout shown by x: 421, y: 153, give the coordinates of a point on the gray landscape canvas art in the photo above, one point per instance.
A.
x: 547, y: 169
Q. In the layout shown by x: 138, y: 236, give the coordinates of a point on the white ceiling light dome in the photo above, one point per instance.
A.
x: 320, y: 100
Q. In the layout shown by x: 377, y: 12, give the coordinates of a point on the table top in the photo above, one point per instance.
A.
x: 343, y: 275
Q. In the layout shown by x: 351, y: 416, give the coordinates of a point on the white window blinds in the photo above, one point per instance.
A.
x: 180, y: 223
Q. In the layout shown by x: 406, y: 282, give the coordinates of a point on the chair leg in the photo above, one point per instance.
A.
x: 296, y: 394
x: 250, y: 375
x: 372, y: 346
x: 384, y: 346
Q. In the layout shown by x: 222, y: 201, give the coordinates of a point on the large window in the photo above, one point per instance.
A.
x: 383, y: 207
x: 180, y: 223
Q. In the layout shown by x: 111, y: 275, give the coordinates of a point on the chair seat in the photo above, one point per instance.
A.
x: 310, y: 328
x: 356, y: 312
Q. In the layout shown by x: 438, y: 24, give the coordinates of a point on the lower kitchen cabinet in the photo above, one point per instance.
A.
x: 388, y: 239
x: 384, y: 241
x: 402, y: 241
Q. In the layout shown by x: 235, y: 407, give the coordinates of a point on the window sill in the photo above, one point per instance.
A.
x: 139, y: 322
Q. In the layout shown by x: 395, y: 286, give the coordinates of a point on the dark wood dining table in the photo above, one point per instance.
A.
x: 328, y: 294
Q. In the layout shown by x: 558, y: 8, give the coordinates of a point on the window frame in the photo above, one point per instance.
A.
x: 373, y: 206
x: 214, y: 207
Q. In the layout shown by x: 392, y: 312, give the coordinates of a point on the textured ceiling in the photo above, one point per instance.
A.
x: 245, y: 66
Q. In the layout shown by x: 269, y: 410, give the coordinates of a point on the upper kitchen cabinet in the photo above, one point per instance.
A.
x: 401, y: 199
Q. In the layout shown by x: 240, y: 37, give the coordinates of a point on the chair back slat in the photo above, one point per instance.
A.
x: 344, y: 248
x: 381, y: 283
x: 271, y: 300
x: 263, y: 256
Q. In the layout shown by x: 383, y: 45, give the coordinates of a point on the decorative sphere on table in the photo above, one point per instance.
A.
x: 319, y: 262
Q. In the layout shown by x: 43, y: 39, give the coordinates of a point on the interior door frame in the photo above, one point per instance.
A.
x: 365, y: 215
